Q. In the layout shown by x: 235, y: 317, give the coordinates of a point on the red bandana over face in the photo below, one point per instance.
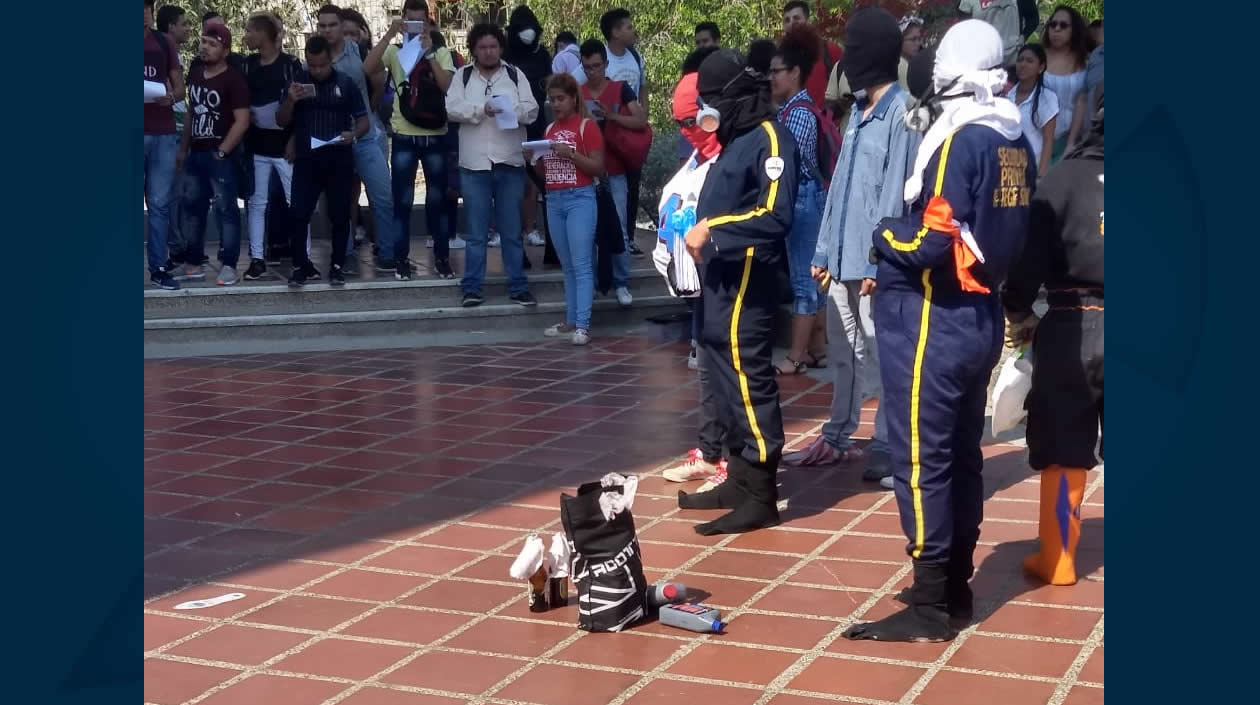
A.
x: 685, y: 107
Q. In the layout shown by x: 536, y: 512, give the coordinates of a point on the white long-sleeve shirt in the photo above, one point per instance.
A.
x: 481, y: 143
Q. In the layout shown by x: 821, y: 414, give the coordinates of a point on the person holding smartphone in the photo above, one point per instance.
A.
x: 322, y: 105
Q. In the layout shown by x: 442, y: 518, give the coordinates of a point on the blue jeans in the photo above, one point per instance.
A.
x: 428, y: 153
x: 621, y: 262
x: 571, y: 214
x: 205, y: 177
x: 801, y: 241
x: 505, y: 186
x: 372, y: 166
x: 159, y: 177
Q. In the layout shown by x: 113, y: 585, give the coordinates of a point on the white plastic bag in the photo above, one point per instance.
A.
x: 1013, y: 382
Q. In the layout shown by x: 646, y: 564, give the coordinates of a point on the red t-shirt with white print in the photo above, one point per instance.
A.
x: 584, y: 136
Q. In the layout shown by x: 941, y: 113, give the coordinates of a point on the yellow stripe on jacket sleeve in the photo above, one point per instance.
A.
x: 735, y: 361
x: 936, y: 191
x: 770, y: 198
x: 916, y: 493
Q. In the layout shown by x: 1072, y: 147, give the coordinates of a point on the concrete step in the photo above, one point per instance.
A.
x: 266, y: 298
x: 498, y: 320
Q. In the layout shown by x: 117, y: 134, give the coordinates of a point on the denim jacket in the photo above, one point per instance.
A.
x: 867, y: 185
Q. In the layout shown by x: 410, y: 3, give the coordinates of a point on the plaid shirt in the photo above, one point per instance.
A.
x: 801, y: 123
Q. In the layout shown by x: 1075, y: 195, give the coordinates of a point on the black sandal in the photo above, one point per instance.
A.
x: 816, y: 363
x: 798, y: 368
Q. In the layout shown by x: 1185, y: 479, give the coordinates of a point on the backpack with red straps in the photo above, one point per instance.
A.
x: 829, y: 139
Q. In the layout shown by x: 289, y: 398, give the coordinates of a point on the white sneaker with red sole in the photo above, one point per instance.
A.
x: 695, y: 467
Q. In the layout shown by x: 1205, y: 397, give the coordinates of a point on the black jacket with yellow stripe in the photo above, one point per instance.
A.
x: 749, y: 194
x: 977, y: 179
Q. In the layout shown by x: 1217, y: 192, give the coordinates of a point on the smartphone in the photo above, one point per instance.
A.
x: 308, y: 89
x: 413, y: 26
x: 592, y: 107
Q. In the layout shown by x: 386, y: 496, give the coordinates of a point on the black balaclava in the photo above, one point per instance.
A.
x: 520, y: 19
x: 872, y: 49
x: 739, y: 95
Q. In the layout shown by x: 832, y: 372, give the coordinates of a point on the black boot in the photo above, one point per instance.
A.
x: 727, y: 495
x: 925, y: 620
x: 755, y: 509
x: 959, y: 602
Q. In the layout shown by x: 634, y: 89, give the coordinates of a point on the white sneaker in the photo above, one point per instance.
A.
x: 494, y: 240
x: 693, y: 362
x: 623, y: 296
x: 558, y: 330
x: 428, y: 242
x: 695, y: 467
x: 534, y: 239
x: 886, y: 482
x: 227, y: 276
x: 581, y: 336
x: 457, y: 243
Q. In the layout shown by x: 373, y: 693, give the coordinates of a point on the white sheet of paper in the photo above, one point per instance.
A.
x: 153, y: 90
x: 409, y: 54
x: 316, y: 143
x: 506, y: 117
x: 265, y: 116
x: 538, y: 148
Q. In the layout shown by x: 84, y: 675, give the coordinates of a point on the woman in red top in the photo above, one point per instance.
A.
x: 569, y: 171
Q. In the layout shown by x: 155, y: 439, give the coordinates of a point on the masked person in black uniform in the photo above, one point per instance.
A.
x: 940, y: 268
x: 1065, y: 405
x: 744, y: 214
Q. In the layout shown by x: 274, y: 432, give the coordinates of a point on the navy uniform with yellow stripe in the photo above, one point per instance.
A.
x: 941, y: 321
x: 747, y: 200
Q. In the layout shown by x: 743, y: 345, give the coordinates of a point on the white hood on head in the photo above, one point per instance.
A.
x: 968, y: 61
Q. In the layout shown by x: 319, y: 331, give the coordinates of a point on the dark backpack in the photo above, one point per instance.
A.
x: 829, y: 139
x: 419, y: 99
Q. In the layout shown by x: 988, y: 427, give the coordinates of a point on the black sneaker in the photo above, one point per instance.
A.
x: 443, y: 269
x: 310, y: 272
x: 351, y: 267
x: 471, y: 299
x: 335, y: 276
x: 402, y: 272
x: 162, y: 279
x: 297, y: 279
x: 633, y: 248
x: 525, y: 299
x: 385, y: 266
x: 257, y: 270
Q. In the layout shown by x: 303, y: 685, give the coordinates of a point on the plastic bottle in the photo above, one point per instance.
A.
x: 666, y: 593
x: 692, y: 617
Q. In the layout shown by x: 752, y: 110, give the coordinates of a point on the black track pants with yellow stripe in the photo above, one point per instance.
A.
x: 737, y: 332
x: 936, y: 358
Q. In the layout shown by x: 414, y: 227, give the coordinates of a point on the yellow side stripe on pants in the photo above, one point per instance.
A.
x: 915, y: 492
x: 739, y: 370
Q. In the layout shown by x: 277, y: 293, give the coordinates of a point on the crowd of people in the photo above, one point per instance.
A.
x: 890, y: 185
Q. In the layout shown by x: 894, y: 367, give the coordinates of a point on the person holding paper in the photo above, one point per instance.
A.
x: 576, y: 158
x: 492, y: 167
x: 421, y: 73
x: 268, y: 72
x: 161, y: 65
x: 328, y: 114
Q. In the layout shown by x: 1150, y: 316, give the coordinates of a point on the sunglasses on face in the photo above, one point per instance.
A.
x: 686, y: 123
x: 1058, y: 25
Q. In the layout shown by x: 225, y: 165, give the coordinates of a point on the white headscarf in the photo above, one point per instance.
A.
x: 968, y: 60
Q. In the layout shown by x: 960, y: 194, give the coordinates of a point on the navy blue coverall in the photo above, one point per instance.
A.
x: 940, y: 324
x: 748, y: 199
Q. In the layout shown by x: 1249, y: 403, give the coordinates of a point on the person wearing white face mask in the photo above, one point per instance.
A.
x: 525, y: 51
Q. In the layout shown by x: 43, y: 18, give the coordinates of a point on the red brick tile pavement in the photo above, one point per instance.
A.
x: 369, y: 504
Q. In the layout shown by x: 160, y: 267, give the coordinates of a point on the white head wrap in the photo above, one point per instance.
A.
x: 968, y: 60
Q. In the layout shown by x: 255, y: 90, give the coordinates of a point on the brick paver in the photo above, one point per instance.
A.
x: 369, y: 503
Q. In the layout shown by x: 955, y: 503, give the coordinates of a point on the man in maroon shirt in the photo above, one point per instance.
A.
x: 797, y: 12
x: 218, y: 117
x: 161, y: 65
